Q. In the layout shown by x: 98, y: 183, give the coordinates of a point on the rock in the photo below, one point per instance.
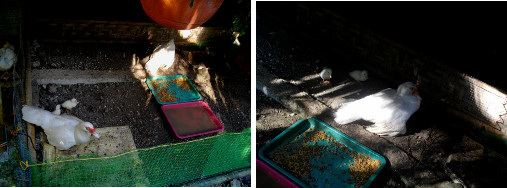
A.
x: 35, y: 64
x: 52, y: 88
x: 235, y: 183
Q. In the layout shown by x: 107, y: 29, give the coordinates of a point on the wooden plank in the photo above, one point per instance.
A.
x: 84, y: 31
x: 70, y: 77
x: 112, y: 141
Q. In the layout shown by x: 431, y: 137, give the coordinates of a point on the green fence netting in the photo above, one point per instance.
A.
x: 162, y: 165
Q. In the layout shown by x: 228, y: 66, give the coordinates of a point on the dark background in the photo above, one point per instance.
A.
x: 468, y: 36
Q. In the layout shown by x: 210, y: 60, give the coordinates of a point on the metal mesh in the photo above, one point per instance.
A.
x: 162, y: 165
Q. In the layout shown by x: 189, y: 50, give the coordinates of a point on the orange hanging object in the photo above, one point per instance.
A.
x: 181, y: 14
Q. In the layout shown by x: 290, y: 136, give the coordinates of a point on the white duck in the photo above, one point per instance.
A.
x: 63, y: 131
x: 389, y: 109
x: 7, y: 57
x: 163, y: 56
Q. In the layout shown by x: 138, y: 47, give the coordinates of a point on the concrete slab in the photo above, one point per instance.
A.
x: 70, y: 77
x: 287, y: 94
x: 112, y: 141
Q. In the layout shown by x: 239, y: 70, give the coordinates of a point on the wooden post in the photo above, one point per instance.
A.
x: 2, y: 124
x: 30, y: 129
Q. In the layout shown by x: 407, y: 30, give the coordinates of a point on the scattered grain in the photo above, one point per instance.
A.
x: 294, y: 156
x: 163, y: 92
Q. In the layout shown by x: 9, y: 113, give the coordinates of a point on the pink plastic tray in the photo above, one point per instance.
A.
x: 191, y: 119
x: 274, y: 178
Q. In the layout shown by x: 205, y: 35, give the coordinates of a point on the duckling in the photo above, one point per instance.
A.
x: 359, y: 76
x: 69, y: 104
x: 326, y: 75
x: 57, y: 110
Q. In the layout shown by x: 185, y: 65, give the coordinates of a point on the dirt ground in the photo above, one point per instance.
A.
x: 435, y: 139
x: 223, y: 85
x: 131, y: 102
x: 271, y: 119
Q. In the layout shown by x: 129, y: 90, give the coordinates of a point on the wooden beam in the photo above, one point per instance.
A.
x: 30, y: 129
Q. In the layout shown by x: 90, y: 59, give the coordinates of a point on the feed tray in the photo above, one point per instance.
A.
x: 313, y: 154
x: 172, y: 89
x: 191, y: 119
x: 269, y: 177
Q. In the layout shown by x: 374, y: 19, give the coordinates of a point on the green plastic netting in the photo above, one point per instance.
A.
x: 162, y: 165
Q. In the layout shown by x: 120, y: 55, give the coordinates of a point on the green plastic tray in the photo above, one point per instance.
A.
x: 327, y: 170
x: 166, y: 84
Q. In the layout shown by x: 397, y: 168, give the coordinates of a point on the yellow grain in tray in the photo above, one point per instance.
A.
x: 182, y: 83
x: 294, y: 156
x: 162, y: 91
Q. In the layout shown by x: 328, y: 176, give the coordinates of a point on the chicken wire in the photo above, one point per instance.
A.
x: 162, y: 165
